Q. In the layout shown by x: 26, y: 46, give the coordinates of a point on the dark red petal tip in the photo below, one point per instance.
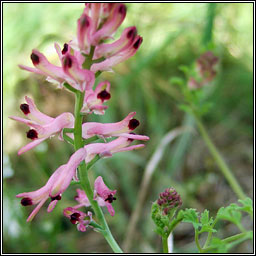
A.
x: 58, y: 197
x: 133, y: 124
x: 25, y: 108
x: 137, y: 44
x: 65, y: 49
x: 26, y: 201
x: 122, y: 9
x: 35, y: 58
x: 132, y: 33
x: 74, y: 218
x: 67, y: 62
x: 104, y: 95
x: 32, y: 134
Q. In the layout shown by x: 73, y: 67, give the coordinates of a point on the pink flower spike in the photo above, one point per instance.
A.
x: 114, y: 20
x: 82, y: 79
x: 119, y: 57
x: 93, y: 100
x: 55, y: 186
x: 81, y: 219
x: 125, y: 41
x: 107, y: 195
x: 41, y: 125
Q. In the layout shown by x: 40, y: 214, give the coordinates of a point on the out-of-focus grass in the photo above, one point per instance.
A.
x: 172, y: 35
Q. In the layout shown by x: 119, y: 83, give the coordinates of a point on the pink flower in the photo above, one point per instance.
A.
x: 125, y: 41
x: 114, y: 16
x: 119, y: 57
x: 82, y: 199
x: 120, y: 144
x: 55, y: 186
x: 41, y: 125
x: 70, y: 72
x: 94, y: 99
x: 102, y: 194
x: 81, y: 219
x: 123, y: 128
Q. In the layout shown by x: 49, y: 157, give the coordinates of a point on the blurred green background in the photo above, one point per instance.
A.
x: 173, y: 35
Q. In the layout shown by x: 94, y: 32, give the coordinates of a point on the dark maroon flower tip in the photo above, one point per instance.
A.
x: 110, y: 198
x: 122, y: 9
x: 84, y: 21
x: 137, y: 44
x: 26, y: 201
x: 74, y: 217
x: 133, y: 124
x: 58, y: 197
x: 132, y: 33
x: 25, y: 108
x: 104, y: 95
x: 32, y: 134
x: 67, y: 62
x: 35, y: 59
x: 65, y: 49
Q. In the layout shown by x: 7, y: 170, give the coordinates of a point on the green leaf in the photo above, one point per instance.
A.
x: 206, y: 223
x: 184, y: 107
x: 246, y: 205
x: 177, y: 81
x: 230, y: 213
x: 191, y: 216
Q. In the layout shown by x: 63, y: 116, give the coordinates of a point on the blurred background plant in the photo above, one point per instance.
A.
x: 172, y: 36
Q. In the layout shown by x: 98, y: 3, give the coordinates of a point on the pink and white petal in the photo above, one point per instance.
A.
x: 133, y: 136
x: 31, y: 145
x: 110, y: 209
x: 128, y: 148
x: 52, y: 205
x: 33, y: 70
x: 36, y: 115
x: 36, y: 210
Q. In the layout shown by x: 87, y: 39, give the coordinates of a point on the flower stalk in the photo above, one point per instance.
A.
x: 218, y: 158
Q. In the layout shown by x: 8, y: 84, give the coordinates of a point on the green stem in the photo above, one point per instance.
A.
x: 165, y: 244
x: 209, y: 237
x: 197, y: 241
x: 218, y: 158
x: 244, y: 236
x: 83, y: 173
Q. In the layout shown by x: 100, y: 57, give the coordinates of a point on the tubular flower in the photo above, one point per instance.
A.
x: 81, y: 219
x: 102, y: 194
x: 94, y: 99
x: 123, y: 128
x: 120, y: 144
x: 41, y: 125
x: 71, y: 70
x: 55, y: 186
x: 119, y: 57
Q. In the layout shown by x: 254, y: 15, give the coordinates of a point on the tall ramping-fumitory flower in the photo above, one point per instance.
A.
x: 81, y: 219
x: 99, y: 22
x: 55, y: 186
x: 41, y: 125
x: 102, y: 194
x: 82, y: 60
x: 71, y: 70
x: 123, y: 128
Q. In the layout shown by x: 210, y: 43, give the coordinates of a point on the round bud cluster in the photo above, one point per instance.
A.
x: 168, y: 200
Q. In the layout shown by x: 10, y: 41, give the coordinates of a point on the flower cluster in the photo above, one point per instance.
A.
x: 164, y: 209
x: 82, y: 60
x: 168, y: 200
x: 205, y: 70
